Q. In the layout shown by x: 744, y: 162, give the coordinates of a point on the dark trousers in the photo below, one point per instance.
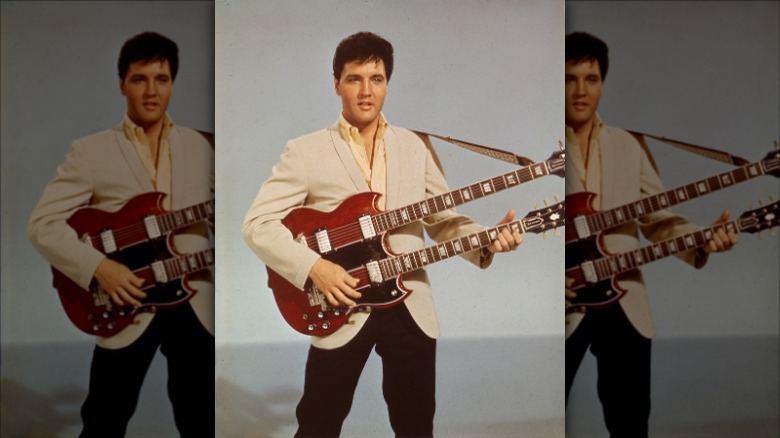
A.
x: 623, y: 363
x: 409, y: 377
x: 116, y: 377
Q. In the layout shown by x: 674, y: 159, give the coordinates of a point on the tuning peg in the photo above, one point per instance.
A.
x: 544, y: 235
x: 777, y: 144
x: 760, y: 235
x: 560, y: 144
x: 557, y: 232
x: 772, y: 232
x: 761, y: 203
x: 536, y: 206
x: 771, y: 198
x: 546, y: 204
x: 556, y: 198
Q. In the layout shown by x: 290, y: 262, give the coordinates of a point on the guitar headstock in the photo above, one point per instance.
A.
x: 556, y: 164
x: 543, y: 219
x: 771, y: 163
x: 765, y: 217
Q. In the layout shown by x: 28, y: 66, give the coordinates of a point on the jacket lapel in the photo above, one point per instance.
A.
x: 130, y: 155
x: 179, y: 166
x: 347, y: 159
x: 393, y: 163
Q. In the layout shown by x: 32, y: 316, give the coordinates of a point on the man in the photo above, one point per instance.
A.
x: 614, y: 165
x: 362, y: 152
x: 146, y: 152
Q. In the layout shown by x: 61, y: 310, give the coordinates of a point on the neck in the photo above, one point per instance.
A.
x: 582, y: 132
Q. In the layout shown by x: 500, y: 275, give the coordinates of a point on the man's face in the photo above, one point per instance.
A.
x: 583, y: 91
x: 148, y: 88
x: 362, y: 88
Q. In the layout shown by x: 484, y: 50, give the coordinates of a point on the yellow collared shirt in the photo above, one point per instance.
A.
x: 374, y: 170
x: 159, y: 173
x: 588, y: 172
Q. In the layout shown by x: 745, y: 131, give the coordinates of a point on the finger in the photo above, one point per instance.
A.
x: 508, y: 217
x: 115, y: 297
x: 723, y: 217
x: 136, y: 280
x: 569, y: 281
x: 509, y: 238
x: 344, y: 299
x: 127, y: 296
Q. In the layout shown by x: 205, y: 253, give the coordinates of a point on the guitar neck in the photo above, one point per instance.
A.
x: 178, y: 219
x: 405, y: 215
x: 175, y: 268
x: 610, y: 218
x: 395, y: 266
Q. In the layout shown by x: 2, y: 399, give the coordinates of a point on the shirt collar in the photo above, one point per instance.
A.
x: 136, y: 133
x: 350, y: 132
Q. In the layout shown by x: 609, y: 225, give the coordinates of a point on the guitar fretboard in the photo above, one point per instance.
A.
x: 607, y: 219
x: 187, y: 216
x: 177, y: 267
x: 402, y: 216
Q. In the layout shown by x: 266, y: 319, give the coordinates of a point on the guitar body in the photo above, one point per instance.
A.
x: 579, y: 250
x: 92, y: 311
x: 308, y: 311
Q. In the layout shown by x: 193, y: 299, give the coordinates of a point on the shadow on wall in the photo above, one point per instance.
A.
x: 27, y: 412
x: 701, y: 387
x: 242, y: 413
x: 44, y: 385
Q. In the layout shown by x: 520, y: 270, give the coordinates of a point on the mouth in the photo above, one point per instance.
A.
x: 151, y: 106
x: 580, y: 105
x: 365, y: 106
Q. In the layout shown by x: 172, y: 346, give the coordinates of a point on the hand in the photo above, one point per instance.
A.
x: 721, y: 241
x: 506, y: 240
x: 333, y: 281
x: 119, y: 282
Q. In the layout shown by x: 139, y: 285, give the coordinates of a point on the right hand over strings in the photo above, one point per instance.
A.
x: 333, y: 281
x: 119, y: 282
x: 570, y: 294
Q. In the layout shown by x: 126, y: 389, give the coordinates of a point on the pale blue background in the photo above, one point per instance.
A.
x: 59, y: 83
x: 483, y: 71
x: 705, y: 73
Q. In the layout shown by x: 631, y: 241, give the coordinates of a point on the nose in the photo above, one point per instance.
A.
x: 365, y: 88
x: 579, y: 87
x: 150, y: 89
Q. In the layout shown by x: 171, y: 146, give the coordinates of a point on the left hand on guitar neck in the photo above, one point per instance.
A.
x: 721, y: 241
x: 506, y: 240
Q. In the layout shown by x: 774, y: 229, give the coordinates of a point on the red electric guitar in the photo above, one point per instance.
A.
x: 596, y: 281
x: 355, y: 230
x: 165, y: 283
x: 139, y: 235
x: 584, y: 225
x: 381, y: 278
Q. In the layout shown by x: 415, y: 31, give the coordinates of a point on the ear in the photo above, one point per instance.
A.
x: 122, y: 87
x: 336, y: 86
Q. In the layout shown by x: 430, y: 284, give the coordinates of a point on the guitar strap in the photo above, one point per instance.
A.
x: 712, y: 154
x: 498, y: 154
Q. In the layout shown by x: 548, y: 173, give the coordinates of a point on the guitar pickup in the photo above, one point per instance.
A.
x: 366, y: 226
x: 107, y: 239
x: 323, y: 241
x: 589, y: 271
x: 158, y: 271
x: 152, y: 227
x: 581, y: 226
x: 374, y: 273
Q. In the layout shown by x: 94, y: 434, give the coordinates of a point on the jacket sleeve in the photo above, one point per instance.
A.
x: 448, y: 224
x: 48, y: 230
x: 263, y: 231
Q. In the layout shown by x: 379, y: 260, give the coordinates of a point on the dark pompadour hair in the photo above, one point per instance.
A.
x: 363, y: 47
x: 148, y: 47
x: 581, y: 46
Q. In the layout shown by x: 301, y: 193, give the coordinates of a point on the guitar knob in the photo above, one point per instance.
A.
x: 326, y: 325
x: 311, y: 327
x: 337, y: 312
x: 320, y: 314
x: 110, y: 325
x: 95, y: 327
x: 105, y: 315
x: 394, y: 293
